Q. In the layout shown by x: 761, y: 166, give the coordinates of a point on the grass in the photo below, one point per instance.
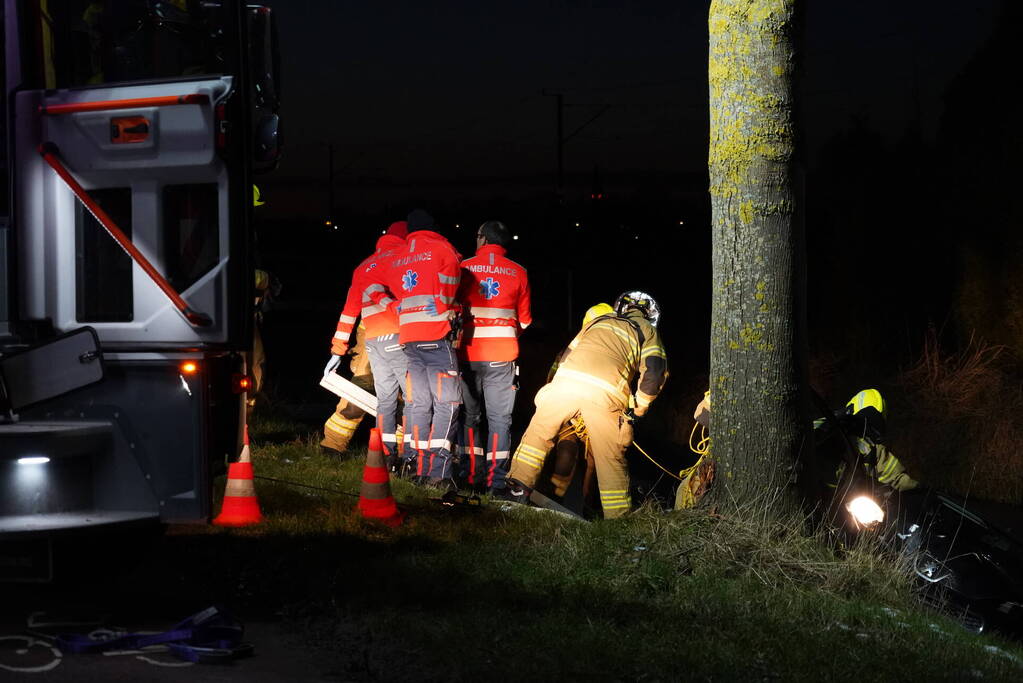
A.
x: 463, y: 595
x: 955, y: 420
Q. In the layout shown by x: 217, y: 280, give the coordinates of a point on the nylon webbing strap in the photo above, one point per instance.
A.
x: 209, y: 636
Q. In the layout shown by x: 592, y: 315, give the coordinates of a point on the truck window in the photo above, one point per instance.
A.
x: 91, y: 42
x: 191, y: 232
x: 103, y: 270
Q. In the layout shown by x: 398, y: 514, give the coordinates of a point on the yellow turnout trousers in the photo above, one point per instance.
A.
x: 609, y: 435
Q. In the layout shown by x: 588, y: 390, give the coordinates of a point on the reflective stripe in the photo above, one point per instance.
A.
x: 440, y: 443
x: 526, y: 448
x: 373, y: 310
x: 473, y: 450
x: 485, y: 312
x: 341, y: 425
x: 417, y: 300
x: 421, y: 317
x: 499, y: 455
x: 347, y: 319
x: 491, y: 331
x: 389, y: 438
x: 525, y: 460
x: 570, y: 374
x: 448, y: 280
x: 633, y: 342
x: 343, y: 336
x: 420, y: 300
x: 654, y: 351
x: 614, y: 499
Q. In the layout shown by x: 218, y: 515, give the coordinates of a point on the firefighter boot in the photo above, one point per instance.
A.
x: 514, y: 492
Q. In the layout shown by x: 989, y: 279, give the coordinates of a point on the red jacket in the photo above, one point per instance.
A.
x: 495, y: 290
x: 424, y: 274
x: 368, y: 295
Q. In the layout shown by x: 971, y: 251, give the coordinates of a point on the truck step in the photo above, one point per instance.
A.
x: 55, y: 439
x: 56, y: 521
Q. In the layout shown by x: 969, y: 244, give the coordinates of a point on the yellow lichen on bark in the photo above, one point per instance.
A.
x: 749, y: 157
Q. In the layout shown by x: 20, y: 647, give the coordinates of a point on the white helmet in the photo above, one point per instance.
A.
x: 640, y: 301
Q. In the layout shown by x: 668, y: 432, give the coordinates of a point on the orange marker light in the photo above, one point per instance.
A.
x: 241, y: 383
x: 189, y: 367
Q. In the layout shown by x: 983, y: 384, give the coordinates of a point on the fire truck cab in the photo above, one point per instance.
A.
x: 131, y: 132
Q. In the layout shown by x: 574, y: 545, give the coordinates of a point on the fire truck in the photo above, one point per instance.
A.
x: 132, y: 130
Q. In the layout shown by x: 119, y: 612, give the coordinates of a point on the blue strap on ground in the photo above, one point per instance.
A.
x: 210, y: 636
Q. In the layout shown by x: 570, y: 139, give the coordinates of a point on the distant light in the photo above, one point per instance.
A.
x: 600, y: 195
x: 383, y: 232
x: 457, y: 225
x: 681, y: 222
x: 328, y: 223
x: 515, y: 237
x: 34, y: 460
x: 636, y: 237
x: 335, y: 227
x: 189, y: 367
x: 577, y: 225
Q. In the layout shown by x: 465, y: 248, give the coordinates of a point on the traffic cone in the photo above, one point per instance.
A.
x: 241, y: 508
x: 375, y: 499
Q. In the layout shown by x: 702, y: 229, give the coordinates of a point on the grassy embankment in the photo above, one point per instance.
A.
x: 458, y: 595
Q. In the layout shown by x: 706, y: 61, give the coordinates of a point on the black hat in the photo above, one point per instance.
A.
x: 418, y: 219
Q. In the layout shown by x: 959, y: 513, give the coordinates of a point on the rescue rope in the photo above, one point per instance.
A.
x: 703, y: 445
x: 683, y: 474
x: 702, y: 448
x: 662, y: 467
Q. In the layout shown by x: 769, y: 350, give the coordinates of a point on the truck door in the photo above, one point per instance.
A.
x: 143, y: 106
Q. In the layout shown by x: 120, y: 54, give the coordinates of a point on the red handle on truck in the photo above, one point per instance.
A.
x: 49, y: 152
x: 104, y: 105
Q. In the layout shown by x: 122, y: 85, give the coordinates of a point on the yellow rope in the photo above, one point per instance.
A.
x: 703, y: 446
x: 663, y: 469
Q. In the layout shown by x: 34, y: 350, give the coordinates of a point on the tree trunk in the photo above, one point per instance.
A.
x: 757, y: 356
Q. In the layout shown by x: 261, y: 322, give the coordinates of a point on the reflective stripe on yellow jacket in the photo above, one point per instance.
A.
x: 610, y: 352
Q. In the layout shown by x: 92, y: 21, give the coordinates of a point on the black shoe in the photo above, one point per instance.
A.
x: 334, y: 453
x: 406, y: 469
x: 514, y: 492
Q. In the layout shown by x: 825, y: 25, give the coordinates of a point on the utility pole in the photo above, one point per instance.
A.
x: 330, y: 182
x: 559, y: 179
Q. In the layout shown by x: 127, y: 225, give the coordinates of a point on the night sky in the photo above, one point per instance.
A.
x: 444, y: 100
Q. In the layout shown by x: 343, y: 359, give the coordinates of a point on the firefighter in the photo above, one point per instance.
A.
x: 424, y: 279
x: 496, y: 291
x: 267, y: 288
x: 870, y: 409
x: 341, y: 425
x: 594, y: 381
x: 383, y: 353
x: 571, y: 445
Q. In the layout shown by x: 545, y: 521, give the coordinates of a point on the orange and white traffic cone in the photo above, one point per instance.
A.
x: 241, y: 508
x: 375, y: 499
